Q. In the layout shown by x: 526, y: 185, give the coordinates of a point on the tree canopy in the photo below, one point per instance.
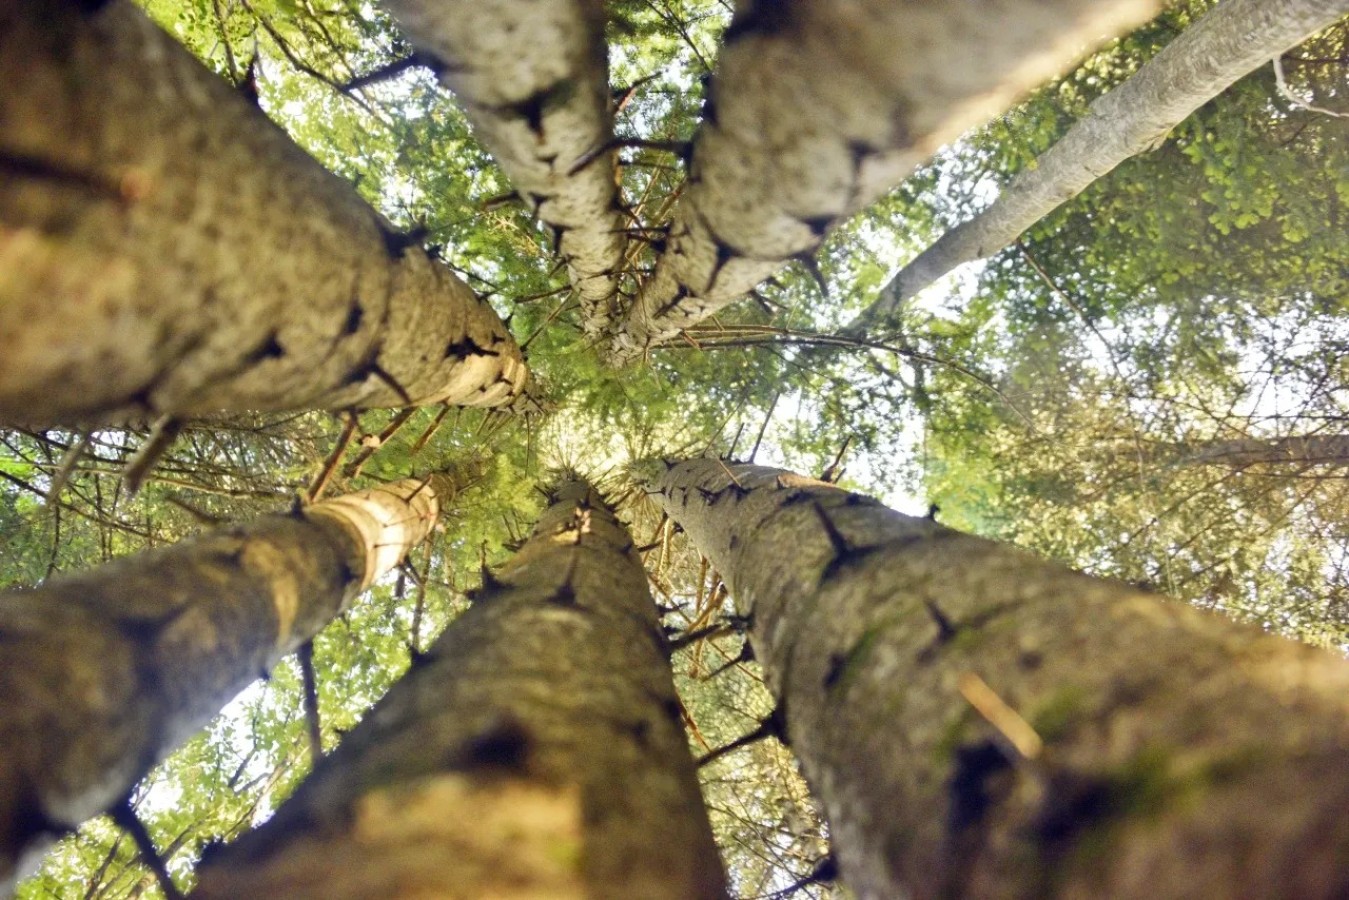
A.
x: 1150, y: 384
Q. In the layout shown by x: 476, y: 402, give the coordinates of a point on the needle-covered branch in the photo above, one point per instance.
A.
x: 165, y: 249
x: 1231, y: 40
x: 980, y: 722
x: 820, y: 107
x: 534, y: 751
x: 533, y: 78
x: 104, y: 673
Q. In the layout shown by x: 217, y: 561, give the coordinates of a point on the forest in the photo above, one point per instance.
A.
x: 674, y: 448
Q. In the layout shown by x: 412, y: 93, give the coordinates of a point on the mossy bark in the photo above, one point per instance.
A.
x: 535, y: 751
x: 1230, y: 41
x: 165, y: 249
x: 981, y: 722
x: 103, y: 674
x: 820, y: 107
x: 534, y: 79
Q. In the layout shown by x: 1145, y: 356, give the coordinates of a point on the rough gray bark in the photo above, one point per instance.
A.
x: 534, y: 79
x: 980, y: 722
x: 535, y: 751
x: 1233, y: 39
x: 819, y: 107
x: 103, y: 674
x: 164, y: 248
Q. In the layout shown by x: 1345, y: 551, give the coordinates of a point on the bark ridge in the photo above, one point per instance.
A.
x: 104, y: 673
x: 980, y: 722
x: 166, y: 249
x: 818, y: 108
x: 535, y: 751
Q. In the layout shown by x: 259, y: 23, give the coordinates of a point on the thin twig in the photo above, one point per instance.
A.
x: 125, y: 817
x: 305, y: 655
x: 1297, y: 101
x: 764, y: 427
x: 330, y: 464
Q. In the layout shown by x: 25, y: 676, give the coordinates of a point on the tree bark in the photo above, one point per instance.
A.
x: 165, y: 249
x: 103, y: 674
x: 820, y: 107
x: 980, y: 722
x: 535, y: 751
x: 1303, y: 450
x: 534, y: 80
x: 1233, y: 39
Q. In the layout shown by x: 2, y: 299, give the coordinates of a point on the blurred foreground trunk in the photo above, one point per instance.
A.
x: 103, y: 674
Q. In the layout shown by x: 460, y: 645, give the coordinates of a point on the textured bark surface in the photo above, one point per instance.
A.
x: 103, y: 674
x: 164, y: 248
x: 1304, y: 450
x: 534, y: 79
x: 979, y: 722
x: 1233, y: 39
x: 535, y: 751
x: 819, y: 107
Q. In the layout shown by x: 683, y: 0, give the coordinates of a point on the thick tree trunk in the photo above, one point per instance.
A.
x: 164, y: 248
x: 980, y: 722
x: 536, y: 751
x: 534, y: 79
x: 1233, y: 39
x: 819, y: 107
x: 103, y: 674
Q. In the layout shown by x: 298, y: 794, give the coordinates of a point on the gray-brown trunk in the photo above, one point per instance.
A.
x: 534, y: 79
x: 980, y: 722
x: 164, y: 248
x: 103, y: 674
x: 1299, y: 450
x: 535, y: 751
x: 820, y: 107
x: 1234, y: 38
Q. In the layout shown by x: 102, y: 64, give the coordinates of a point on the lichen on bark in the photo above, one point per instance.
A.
x: 820, y: 107
x: 106, y: 672
x: 549, y: 704
x: 980, y: 722
x: 165, y: 249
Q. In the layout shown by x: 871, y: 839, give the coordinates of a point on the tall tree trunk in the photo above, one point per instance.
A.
x: 103, y: 674
x: 1303, y: 450
x: 820, y: 107
x: 1234, y: 38
x: 536, y: 751
x: 980, y: 722
x: 534, y: 79
x: 164, y: 248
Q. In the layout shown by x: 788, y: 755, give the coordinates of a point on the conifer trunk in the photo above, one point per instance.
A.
x: 535, y: 751
x: 165, y: 249
x: 103, y: 674
x: 1301, y: 450
x: 980, y: 722
x: 534, y: 79
x: 818, y: 108
x: 1233, y: 39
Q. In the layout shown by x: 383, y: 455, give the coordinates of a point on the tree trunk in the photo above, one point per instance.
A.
x: 980, y: 722
x: 535, y: 751
x: 820, y: 107
x: 534, y: 79
x: 164, y: 248
x: 1302, y: 450
x: 103, y: 674
x: 1234, y: 38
